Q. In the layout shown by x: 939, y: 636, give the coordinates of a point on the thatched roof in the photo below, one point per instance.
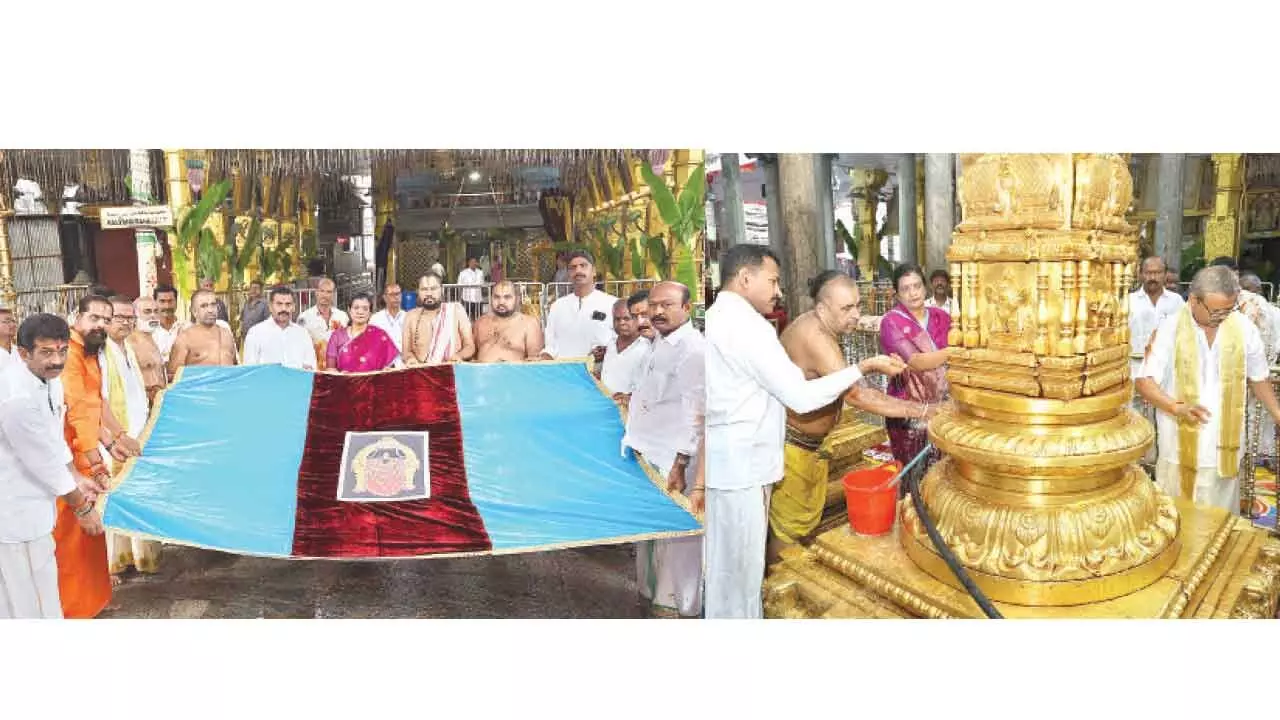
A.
x: 101, y: 173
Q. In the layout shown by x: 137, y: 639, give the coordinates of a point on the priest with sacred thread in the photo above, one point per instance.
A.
x: 1194, y: 372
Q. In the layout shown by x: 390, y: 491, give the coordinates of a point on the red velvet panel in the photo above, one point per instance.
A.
x: 418, y: 399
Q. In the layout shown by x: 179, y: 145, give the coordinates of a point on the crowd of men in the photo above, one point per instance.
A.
x: 76, y: 396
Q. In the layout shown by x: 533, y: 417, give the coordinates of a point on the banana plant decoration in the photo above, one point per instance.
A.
x: 638, y: 257
x: 191, y: 236
x: 684, y: 217
x: 252, y: 248
x: 610, y: 251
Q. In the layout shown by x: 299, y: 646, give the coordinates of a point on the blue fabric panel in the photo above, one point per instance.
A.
x: 544, y: 465
x: 220, y: 468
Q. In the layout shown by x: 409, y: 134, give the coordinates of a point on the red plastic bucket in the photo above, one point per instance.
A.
x: 871, y: 494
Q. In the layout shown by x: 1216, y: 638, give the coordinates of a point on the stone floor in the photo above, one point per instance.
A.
x: 595, y: 582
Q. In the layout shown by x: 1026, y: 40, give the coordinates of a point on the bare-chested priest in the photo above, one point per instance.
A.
x: 505, y: 334
x: 206, y: 342
x: 812, y: 341
x: 436, y: 331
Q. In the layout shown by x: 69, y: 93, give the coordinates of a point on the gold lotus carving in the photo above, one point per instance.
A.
x: 1132, y: 524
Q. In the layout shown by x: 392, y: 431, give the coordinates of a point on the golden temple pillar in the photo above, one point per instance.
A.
x: 866, y: 196
x: 683, y: 164
x: 920, y: 237
x: 289, y: 229
x: 654, y: 226
x: 1222, y: 231
x: 8, y: 290
x: 1039, y: 496
x: 179, y: 197
x: 307, y: 230
x: 384, y: 211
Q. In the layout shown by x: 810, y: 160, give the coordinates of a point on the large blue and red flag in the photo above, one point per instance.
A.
x: 443, y: 460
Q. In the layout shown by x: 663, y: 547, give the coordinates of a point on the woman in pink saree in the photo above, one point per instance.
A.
x: 361, y: 347
x: 917, y: 334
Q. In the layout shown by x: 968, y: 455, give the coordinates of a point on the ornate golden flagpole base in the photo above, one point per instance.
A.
x: 1224, y: 568
x: 1039, y: 496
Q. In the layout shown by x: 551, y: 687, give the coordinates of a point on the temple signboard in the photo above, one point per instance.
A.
x: 150, y: 216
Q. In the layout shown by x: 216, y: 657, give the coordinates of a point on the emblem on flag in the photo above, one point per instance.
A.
x: 381, y: 466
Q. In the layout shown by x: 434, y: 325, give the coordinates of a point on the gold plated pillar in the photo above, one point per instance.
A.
x: 1039, y: 495
x: 1222, y: 231
x: 384, y: 211
x: 866, y: 196
x: 8, y: 290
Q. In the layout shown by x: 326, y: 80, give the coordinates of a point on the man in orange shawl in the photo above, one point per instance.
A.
x: 84, y: 583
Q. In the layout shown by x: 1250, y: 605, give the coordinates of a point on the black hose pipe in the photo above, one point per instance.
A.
x: 913, y: 487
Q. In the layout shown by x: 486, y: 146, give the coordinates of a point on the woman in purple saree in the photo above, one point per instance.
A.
x: 361, y: 347
x: 918, y: 335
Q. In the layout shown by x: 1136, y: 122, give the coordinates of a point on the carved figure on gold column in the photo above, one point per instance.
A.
x: 1008, y: 302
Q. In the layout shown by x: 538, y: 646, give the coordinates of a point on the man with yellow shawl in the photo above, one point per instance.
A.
x: 125, y: 391
x: 1194, y: 372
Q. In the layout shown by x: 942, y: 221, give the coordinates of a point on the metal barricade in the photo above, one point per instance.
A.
x: 877, y: 297
x: 350, y: 285
x: 304, y: 298
x: 531, y: 296
x: 624, y: 289
x: 858, y: 346
x: 553, y: 291
x: 1257, y: 421
x: 62, y: 300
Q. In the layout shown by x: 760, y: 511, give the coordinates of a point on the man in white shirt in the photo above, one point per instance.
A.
x: 472, y: 277
x: 578, y: 324
x: 940, y: 297
x: 35, y: 469
x: 8, y: 332
x: 324, y: 318
x: 166, y: 335
x: 391, y: 317
x: 279, y: 341
x: 166, y: 297
x: 1194, y: 373
x: 664, y: 425
x: 1148, y: 307
x: 622, y: 359
x: 750, y: 380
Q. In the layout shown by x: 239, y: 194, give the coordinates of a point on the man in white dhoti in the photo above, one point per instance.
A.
x: 664, y: 425
x: 1195, y: 372
x: 124, y: 390
x: 750, y: 380
x: 35, y: 469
